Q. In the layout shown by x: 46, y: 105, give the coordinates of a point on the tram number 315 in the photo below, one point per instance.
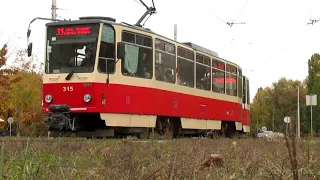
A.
x: 67, y: 88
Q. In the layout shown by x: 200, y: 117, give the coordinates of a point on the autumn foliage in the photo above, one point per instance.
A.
x: 3, y: 83
x: 20, y: 93
x: 3, y: 53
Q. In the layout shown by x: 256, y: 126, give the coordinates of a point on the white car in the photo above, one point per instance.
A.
x: 264, y: 134
x: 270, y: 134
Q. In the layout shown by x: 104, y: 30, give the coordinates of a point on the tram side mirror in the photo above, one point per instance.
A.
x: 29, y: 49
x: 120, y: 50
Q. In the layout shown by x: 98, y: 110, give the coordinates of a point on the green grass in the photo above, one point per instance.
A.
x: 65, y: 158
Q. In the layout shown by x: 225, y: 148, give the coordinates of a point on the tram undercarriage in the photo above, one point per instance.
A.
x: 62, y: 123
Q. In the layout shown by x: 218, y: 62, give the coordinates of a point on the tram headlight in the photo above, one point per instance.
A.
x: 87, y: 98
x: 48, y: 98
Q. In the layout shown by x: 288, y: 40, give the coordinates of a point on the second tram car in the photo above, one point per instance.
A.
x: 104, y: 78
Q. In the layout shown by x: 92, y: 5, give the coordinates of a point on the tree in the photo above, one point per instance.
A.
x: 276, y: 102
x: 21, y: 91
x: 3, y: 81
x: 3, y: 53
x: 313, y: 85
x: 26, y: 94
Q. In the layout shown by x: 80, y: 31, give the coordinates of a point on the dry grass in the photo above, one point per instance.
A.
x: 176, y: 159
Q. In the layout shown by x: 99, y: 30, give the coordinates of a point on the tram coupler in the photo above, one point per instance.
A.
x: 59, y: 117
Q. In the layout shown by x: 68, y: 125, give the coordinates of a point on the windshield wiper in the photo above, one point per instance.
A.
x: 70, y: 74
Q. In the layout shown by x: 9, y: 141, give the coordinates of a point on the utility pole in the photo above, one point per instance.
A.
x: 298, y: 113
x: 257, y: 128
x: 175, y: 32
x: 18, y: 116
x: 311, y: 121
x: 54, y: 9
x: 272, y: 118
x: 311, y: 100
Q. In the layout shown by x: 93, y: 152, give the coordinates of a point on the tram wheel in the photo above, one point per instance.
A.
x: 144, y: 134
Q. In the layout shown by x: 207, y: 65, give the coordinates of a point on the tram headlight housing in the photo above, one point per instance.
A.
x: 48, y: 98
x: 87, y: 98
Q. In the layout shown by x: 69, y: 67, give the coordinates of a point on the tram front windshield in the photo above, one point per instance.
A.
x: 71, y: 48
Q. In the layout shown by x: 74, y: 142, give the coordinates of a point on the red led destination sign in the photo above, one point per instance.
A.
x: 69, y: 31
x: 228, y: 80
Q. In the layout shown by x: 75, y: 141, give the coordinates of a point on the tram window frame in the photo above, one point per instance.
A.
x: 240, y: 93
x: 228, y: 67
x: 113, y: 62
x: 163, y: 66
x: 132, y: 43
x: 248, y: 92
x: 231, y: 72
x: 244, y: 87
x: 231, y: 69
x: 219, y: 67
x: 219, y: 64
x: 234, y: 70
x: 184, y: 58
x: 202, y: 65
x: 231, y: 91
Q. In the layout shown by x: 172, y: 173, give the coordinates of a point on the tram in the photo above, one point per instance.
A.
x: 104, y: 78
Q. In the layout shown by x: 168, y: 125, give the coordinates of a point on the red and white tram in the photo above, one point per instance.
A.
x: 107, y: 78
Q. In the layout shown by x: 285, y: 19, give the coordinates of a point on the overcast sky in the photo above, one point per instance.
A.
x: 274, y: 42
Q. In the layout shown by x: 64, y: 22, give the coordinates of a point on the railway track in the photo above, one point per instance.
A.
x: 128, y: 138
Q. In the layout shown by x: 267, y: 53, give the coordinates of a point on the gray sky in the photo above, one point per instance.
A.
x: 274, y: 42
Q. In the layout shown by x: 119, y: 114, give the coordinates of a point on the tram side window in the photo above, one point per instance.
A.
x: 203, y: 78
x: 107, y: 51
x: 244, y: 100
x: 165, y: 63
x: 185, y: 67
x: 240, y: 83
x: 231, y: 80
x: 248, y: 92
x: 218, y: 76
x: 231, y: 84
x: 138, y: 58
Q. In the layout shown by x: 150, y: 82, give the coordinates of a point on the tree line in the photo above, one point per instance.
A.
x: 20, y: 93
x: 271, y: 104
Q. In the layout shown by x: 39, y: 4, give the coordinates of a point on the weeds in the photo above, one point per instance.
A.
x: 174, y: 159
x: 2, y: 161
x: 290, y: 139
